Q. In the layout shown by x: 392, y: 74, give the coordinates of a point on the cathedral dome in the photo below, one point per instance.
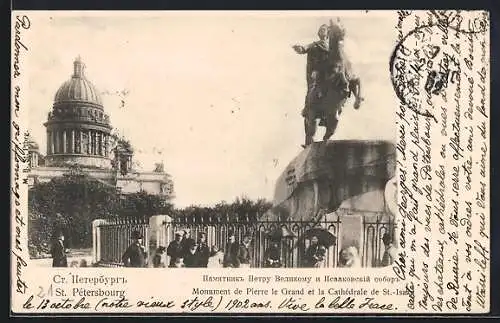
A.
x: 78, y: 88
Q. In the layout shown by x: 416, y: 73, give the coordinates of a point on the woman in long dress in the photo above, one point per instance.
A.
x: 349, y: 258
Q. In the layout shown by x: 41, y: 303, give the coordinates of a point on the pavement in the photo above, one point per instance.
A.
x: 74, y: 256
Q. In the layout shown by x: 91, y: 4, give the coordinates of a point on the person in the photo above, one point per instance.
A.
x: 187, y: 241
x: 216, y: 258
x: 317, y: 62
x: 202, y: 250
x: 272, y: 255
x: 321, y: 70
x: 58, y: 251
x: 158, y: 260
x: 230, y: 252
x: 315, y: 254
x: 191, y: 259
x: 349, y: 258
x: 135, y: 255
x: 175, y: 249
x: 244, y: 257
x: 390, y: 253
x: 179, y: 263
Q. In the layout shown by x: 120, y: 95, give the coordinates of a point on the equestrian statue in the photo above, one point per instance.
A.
x: 330, y: 81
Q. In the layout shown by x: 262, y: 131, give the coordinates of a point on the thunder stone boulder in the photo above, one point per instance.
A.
x: 324, y: 175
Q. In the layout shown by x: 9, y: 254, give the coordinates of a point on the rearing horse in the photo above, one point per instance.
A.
x: 326, y: 100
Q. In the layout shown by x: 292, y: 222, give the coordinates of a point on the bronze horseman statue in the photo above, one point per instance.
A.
x: 330, y: 81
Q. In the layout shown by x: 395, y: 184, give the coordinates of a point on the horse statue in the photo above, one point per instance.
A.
x: 330, y: 81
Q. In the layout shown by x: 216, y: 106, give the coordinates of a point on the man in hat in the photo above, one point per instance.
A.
x: 202, y: 251
x: 230, y: 252
x: 244, y: 257
x: 187, y: 241
x: 135, y: 255
x: 191, y: 259
x: 58, y: 251
x: 390, y: 253
x: 315, y: 254
x: 175, y: 249
x: 272, y: 255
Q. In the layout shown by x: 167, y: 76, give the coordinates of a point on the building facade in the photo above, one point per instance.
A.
x: 79, y: 139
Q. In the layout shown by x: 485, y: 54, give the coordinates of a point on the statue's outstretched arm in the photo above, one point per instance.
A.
x: 300, y: 49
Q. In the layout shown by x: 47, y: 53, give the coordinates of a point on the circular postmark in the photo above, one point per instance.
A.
x: 428, y: 61
x: 465, y: 22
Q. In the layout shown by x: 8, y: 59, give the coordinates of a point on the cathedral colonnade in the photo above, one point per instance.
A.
x: 78, y: 141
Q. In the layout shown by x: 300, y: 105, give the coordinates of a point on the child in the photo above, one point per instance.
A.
x: 158, y: 260
x: 179, y: 263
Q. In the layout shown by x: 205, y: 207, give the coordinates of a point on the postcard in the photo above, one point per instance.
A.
x: 243, y: 162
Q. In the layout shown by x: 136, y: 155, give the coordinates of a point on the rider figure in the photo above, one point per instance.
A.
x: 317, y: 63
x: 327, y: 69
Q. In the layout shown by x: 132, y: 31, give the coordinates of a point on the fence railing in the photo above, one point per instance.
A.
x: 292, y: 248
x: 112, y: 237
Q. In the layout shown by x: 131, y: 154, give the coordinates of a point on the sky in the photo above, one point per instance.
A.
x: 215, y: 96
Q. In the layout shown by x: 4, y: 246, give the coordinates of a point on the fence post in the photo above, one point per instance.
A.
x: 158, y: 234
x: 96, y: 240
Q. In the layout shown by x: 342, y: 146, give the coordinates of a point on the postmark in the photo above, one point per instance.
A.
x: 429, y: 60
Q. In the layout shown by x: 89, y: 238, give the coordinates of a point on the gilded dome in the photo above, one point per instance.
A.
x: 78, y: 88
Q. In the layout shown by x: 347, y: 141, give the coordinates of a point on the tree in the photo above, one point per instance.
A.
x: 239, y: 208
x: 69, y: 204
x: 145, y: 204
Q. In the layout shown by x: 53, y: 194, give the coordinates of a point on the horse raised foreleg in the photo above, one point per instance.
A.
x: 355, y: 88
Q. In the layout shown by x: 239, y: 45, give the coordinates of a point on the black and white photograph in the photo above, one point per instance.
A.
x: 255, y: 147
x: 212, y: 143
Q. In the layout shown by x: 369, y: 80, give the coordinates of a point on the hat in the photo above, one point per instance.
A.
x: 386, y: 238
x: 179, y: 233
x: 202, y: 234
x: 136, y: 235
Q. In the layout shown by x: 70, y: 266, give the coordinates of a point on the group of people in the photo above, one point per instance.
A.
x: 349, y: 257
x: 184, y: 251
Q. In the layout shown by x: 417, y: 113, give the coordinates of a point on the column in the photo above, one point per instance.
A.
x: 89, y: 141
x: 103, y: 144
x: 64, y: 141
x: 73, y: 146
x: 93, y: 149
x: 52, y: 148
x: 81, y: 141
x: 57, y: 150
x: 106, y: 145
x: 48, y: 142
x: 97, y: 143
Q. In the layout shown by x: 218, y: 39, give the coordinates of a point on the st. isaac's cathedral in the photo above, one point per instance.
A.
x: 79, y: 140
